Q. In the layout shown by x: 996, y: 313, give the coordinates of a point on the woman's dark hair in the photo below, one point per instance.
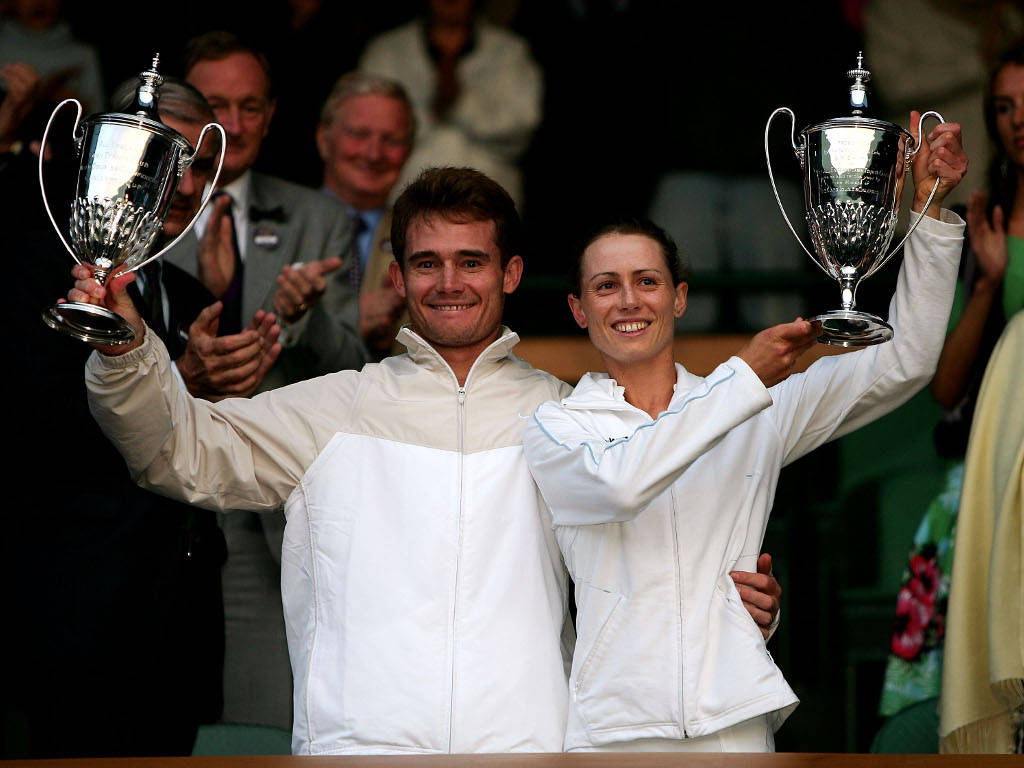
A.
x: 1002, y: 176
x: 678, y: 265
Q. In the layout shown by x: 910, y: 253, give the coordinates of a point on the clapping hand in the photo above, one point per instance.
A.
x: 300, y: 286
x: 215, y: 367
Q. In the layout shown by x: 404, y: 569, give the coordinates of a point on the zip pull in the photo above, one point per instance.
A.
x: 462, y: 395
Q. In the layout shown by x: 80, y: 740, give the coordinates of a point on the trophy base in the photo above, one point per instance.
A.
x: 88, y: 322
x: 846, y: 328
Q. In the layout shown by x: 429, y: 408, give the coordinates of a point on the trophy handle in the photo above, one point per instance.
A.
x: 800, y: 151
x: 42, y: 154
x: 935, y: 188
x: 185, y: 163
x: 920, y: 131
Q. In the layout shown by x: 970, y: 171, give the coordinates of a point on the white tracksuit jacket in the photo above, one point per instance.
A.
x: 424, y: 593
x: 652, y: 516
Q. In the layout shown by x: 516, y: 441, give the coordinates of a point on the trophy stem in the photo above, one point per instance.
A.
x: 849, y: 292
x: 100, y: 275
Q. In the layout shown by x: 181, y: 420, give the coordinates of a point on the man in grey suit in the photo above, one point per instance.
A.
x: 364, y: 138
x: 272, y: 245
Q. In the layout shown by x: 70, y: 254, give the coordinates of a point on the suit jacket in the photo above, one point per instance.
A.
x: 296, y: 224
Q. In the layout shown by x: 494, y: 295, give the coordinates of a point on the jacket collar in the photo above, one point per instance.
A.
x: 425, y: 356
x: 596, y: 391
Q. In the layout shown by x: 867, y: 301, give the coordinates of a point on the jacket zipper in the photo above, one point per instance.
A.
x: 679, y: 612
x: 461, y: 398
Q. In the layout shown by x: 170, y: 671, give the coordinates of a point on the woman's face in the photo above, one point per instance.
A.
x: 627, y: 301
x: 1008, y: 104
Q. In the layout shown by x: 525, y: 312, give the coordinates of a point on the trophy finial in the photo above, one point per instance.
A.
x: 858, y: 88
x: 147, y: 95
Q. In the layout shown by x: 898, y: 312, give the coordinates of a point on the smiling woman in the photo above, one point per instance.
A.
x: 660, y: 484
x: 630, y: 287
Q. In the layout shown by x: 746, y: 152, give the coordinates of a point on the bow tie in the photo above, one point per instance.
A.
x: 266, y: 214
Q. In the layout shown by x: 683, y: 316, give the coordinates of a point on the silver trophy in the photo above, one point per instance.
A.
x: 853, y: 170
x: 129, y: 168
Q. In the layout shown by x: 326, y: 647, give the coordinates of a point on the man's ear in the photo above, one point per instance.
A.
x: 271, y: 108
x: 321, y: 141
x: 513, y: 274
x: 576, y: 307
x: 397, y: 278
x: 679, y: 305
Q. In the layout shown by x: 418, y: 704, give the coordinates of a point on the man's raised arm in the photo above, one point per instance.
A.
x: 236, y: 454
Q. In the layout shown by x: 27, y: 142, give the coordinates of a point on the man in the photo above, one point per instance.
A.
x: 423, y: 588
x: 275, y: 225
x: 115, y: 591
x: 364, y: 138
x: 282, y: 248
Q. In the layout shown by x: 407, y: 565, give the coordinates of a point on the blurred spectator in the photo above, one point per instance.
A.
x: 364, y: 138
x: 281, y: 248
x: 990, y: 291
x: 475, y: 89
x: 35, y: 34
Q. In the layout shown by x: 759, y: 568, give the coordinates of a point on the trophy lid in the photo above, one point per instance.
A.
x: 858, y: 87
x: 143, y: 110
x: 857, y: 99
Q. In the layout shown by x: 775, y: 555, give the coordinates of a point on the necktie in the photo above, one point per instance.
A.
x: 355, y: 273
x: 231, y: 315
x: 149, y: 298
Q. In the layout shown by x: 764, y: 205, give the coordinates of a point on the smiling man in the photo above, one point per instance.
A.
x: 424, y: 594
x: 364, y: 138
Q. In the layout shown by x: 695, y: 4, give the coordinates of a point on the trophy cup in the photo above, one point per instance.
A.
x: 853, y: 170
x: 129, y: 168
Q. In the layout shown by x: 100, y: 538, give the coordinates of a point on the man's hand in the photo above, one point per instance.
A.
x: 215, y: 260
x: 761, y: 593
x: 988, y: 242
x: 114, y: 297
x: 378, y: 311
x: 941, y: 157
x: 774, y: 351
x: 299, y: 287
x: 214, y: 368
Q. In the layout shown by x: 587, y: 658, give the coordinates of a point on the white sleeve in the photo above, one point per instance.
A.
x: 841, y: 393
x: 587, y: 479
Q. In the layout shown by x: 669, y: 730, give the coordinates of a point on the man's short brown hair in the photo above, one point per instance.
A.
x: 459, y: 195
x: 219, y: 44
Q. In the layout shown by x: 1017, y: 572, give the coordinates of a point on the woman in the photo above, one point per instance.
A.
x: 991, y: 290
x: 660, y: 482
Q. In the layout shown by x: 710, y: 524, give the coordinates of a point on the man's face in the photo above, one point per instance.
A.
x: 238, y: 91
x: 364, y: 149
x: 453, y: 282
x: 189, y: 194
x: 627, y: 301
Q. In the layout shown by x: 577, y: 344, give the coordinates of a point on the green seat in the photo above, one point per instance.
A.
x: 914, y: 731
x: 241, y: 739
